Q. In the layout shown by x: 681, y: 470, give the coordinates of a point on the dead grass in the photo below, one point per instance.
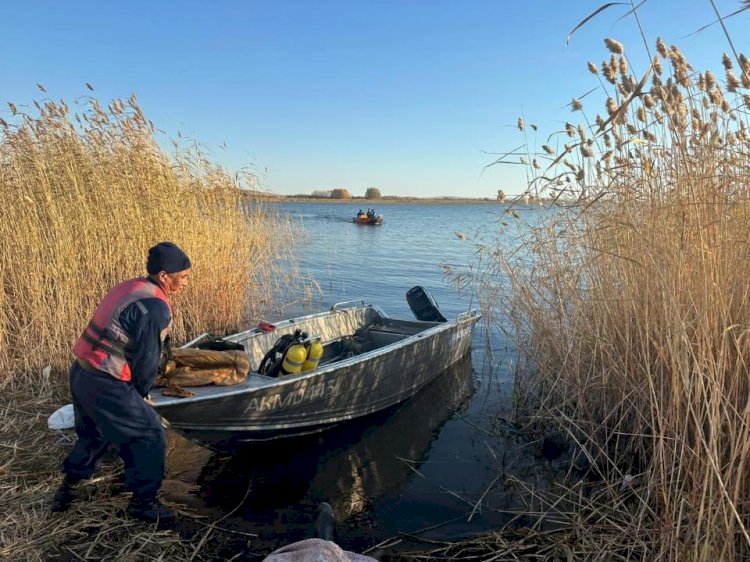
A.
x: 96, y: 529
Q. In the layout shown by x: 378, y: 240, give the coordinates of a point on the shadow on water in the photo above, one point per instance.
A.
x: 273, y: 488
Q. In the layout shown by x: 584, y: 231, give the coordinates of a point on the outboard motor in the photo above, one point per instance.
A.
x: 423, y: 305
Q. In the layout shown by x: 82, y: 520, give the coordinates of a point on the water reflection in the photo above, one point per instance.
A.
x: 428, y: 470
x: 346, y: 466
x: 273, y: 488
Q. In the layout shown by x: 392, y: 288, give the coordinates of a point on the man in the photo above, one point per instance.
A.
x: 117, y: 358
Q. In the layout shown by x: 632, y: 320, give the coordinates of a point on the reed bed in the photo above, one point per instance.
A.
x: 84, y: 194
x: 630, y: 303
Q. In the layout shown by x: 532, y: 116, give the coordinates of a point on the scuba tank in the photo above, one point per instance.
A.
x: 314, y: 353
x: 271, y: 364
x: 292, y: 354
x: 294, y: 358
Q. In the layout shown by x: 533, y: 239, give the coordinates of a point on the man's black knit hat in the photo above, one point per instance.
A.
x: 166, y: 256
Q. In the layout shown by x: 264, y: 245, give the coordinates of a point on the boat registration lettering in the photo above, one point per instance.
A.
x: 460, y: 334
x: 292, y: 397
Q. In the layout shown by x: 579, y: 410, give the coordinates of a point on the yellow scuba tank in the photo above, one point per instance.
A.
x: 314, y: 353
x: 293, y: 359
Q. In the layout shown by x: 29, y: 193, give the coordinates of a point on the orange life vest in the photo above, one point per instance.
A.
x: 104, y: 342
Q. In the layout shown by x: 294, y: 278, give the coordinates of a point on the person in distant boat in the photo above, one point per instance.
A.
x: 361, y: 213
x: 370, y: 213
x: 117, y: 357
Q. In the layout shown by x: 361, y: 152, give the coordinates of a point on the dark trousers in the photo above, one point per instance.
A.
x: 108, y: 413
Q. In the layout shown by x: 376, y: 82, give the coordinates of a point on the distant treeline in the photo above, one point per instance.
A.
x: 343, y: 194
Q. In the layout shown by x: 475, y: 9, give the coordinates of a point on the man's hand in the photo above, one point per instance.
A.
x: 147, y: 400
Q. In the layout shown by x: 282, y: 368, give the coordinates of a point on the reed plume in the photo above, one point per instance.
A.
x: 631, y: 303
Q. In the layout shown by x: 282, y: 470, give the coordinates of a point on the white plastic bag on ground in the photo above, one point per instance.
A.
x: 62, y: 418
x: 315, y: 550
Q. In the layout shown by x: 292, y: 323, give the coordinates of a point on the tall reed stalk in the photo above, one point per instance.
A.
x: 83, y: 195
x: 631, y: 301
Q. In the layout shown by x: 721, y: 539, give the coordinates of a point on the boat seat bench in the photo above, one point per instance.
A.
x: 381, y: 338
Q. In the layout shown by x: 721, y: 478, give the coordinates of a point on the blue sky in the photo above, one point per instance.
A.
x: 412, y: 97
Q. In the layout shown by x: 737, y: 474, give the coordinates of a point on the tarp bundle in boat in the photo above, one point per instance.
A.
x: 199, y: 367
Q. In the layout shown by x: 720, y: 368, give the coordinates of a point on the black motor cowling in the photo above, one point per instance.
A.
x: 423, y: 305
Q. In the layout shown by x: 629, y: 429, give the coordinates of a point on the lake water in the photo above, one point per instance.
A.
x: 435, y: 468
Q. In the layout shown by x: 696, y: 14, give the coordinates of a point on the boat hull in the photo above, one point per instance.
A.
x: 368, y: 220
x: 263, y: 409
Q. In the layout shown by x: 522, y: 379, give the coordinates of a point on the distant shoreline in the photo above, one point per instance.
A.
x: 369, y: 203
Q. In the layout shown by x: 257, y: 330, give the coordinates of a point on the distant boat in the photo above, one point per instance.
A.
x: 368, y: 220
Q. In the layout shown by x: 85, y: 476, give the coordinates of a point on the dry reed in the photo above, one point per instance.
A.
x: 83, y: 195
x: 631, y: 303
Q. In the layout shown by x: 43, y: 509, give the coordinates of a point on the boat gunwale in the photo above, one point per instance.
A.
x: 277, y: 383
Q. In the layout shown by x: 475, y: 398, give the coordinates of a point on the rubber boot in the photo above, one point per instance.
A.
x: 324, y: 523
x: 64, y: 495
x: 151, y: 510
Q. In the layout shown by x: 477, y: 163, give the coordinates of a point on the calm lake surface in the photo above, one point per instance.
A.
x: 434, y: 468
